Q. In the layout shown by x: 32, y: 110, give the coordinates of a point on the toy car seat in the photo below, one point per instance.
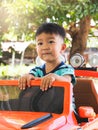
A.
x: 85, y: 94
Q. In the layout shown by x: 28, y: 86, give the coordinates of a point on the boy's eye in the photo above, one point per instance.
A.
x: 51, y: 41
x: 39, y: 43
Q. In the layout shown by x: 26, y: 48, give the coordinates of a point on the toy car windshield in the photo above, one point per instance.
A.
x: 32, y: 99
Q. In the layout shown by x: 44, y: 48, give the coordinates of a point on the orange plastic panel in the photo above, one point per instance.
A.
x: 86, y: 73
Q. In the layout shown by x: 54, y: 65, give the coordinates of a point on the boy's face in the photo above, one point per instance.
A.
x: 49, y: 46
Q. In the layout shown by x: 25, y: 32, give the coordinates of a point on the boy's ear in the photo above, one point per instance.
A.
x: 63, y: 47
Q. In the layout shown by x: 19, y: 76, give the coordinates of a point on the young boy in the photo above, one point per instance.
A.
x: 49, y: 46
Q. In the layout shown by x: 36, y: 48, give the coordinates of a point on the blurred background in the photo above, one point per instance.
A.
x: 19, y: 20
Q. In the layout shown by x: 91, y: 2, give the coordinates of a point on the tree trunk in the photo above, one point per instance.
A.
x: 79, y: 36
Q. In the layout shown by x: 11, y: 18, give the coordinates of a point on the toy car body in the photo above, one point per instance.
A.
x: 17, y: 118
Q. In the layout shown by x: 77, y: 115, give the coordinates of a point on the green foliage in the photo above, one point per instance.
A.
x: 13, y: 72
x: 20, y: 18
x: 69, y: 11
x: 85, y: 8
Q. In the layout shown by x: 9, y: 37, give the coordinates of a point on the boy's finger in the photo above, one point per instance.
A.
x: 37, y: 78
x: 29, y: 78
x: 52, y: 80
x: 28, y: 82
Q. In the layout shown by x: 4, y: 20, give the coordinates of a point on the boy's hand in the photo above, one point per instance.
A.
x: 24, y: 81
x: 46, y: 81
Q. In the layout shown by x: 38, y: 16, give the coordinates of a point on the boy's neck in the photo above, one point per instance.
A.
x: 51, y: 66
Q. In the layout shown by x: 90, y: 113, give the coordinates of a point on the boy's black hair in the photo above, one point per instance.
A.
x: 51, y: 28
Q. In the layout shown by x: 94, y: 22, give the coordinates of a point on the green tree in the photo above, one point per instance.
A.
x: 22, y: 17
x: 76, y: 17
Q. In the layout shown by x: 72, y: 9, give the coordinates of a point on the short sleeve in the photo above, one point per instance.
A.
x: 66, y: 70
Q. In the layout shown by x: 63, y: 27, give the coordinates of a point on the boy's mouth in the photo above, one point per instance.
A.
x: 46, y: 53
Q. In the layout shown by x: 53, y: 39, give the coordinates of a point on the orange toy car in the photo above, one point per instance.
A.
x: 32, y: 109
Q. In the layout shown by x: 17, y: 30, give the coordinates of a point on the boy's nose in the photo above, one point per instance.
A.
x: 45, y: 46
